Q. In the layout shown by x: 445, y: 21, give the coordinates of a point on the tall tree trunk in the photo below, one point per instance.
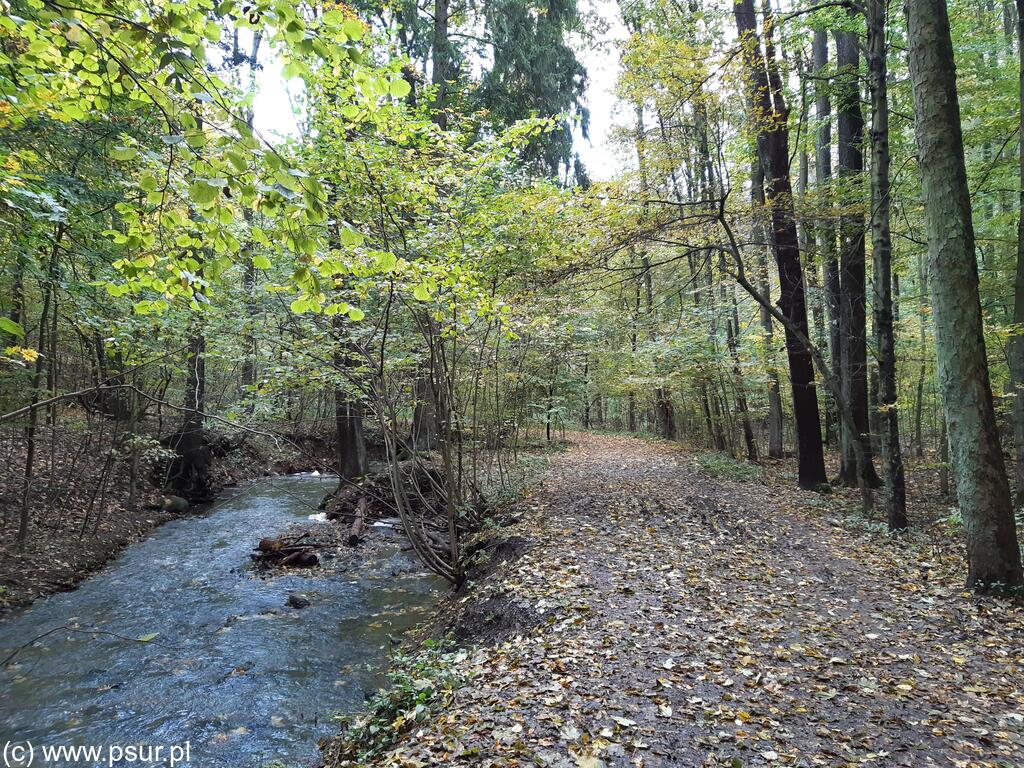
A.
x: 825, y: 230
x: 190, y: 477
x: 922, y: 313
x: 350, y: 444
x: 249, y: 269
x: 732, y: 327
x: 49, y: 288
x: 852, y: 280
x: 586, y: 392
x: 881, y: 246
x: 441, y: 61
x: 769, y: 116
x: 17, y: 295
x: 665, y: 413
x: 248, y: 378
x: 807, y: 249
x: 1016, y: 346
x: 760, y: 237
x: 983, y: 491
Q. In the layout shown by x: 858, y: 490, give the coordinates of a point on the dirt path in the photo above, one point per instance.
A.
x: 692, y: 621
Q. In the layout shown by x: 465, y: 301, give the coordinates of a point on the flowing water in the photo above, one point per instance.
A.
x: 233, y: 672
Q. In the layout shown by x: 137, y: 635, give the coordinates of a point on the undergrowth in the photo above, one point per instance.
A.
x: 723, y: 465
x: 420, y: 683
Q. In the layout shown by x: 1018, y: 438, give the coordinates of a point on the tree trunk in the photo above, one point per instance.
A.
x: 665, y: 413
x: 440, y: 60
x: 825, y: 230
x: 881, y: 246
x: 769, y: 115
x: 586, y: 393
x: 350, y: 445
x: 983, y: 491
x: 1016, y: 346
x: 760, y: 236
x: 852, y: 277
x: 732, y: 327
x: 37, y: 380
x: 922, y: 312
x: 249, y: 339
x: 17, y: 296
x: 190, y: 474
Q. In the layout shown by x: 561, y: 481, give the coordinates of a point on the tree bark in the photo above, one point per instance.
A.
x: 440, y: 61
x: 984, y: 494
x: 760, y: 236
x: 852, y: 273
x: 350, y: 445
x: 1016, y: 346
x: 881, y: 245
x: 825, y: 230
x: 769, y: 115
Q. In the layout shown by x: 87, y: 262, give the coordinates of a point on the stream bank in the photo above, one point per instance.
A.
x: 181, y: 640
x: 67, y: 544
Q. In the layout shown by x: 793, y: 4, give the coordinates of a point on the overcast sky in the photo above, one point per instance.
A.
x: 274, y: 112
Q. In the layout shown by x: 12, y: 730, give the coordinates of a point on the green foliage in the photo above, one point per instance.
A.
x: 723, y: 465
x: 536, y: 72
x: 421, y: 683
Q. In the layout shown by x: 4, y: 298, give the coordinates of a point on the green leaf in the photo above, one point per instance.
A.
x: 203, y: 193
x: 386, y: 262
x: 9, y: 326
x: 149, y: 637
x: 400, y: 88
x: 353, y: 29
x: 350, y: 238
x: 124, y: 153
x: 260, y: 261
x: 356, y: 314
x: 421, y: 292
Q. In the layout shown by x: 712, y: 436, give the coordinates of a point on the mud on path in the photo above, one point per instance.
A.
x: 684, y: 620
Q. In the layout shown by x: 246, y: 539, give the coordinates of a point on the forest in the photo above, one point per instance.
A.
x: 737, y: 398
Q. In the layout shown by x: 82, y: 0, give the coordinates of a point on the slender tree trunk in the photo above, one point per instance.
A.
x: 922, y: 310
x: 852, y: 315
x: 586, y: 393
x: 441, y: 61
x: 732, y: 326
x: 248, y: 378
x: 982, y: 489
x: 550, y: 403
x: 17, y: 295
x: 760, y: 237
x: 881, y: 245
x: 769, y: 115
x: 37, y: 380
x: 350, y: 444
x: 944, y: 460
x: 1016, y: 346
x: 825, y: 230
x: 807, y: 248
x: 665, y: 413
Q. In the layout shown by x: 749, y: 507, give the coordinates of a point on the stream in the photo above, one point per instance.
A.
x: 229, y: 668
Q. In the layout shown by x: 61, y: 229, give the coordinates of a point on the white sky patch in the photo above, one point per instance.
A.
x: 601, y: 58
x: 273, y: 115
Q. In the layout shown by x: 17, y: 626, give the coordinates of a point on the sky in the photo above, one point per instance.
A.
x: 274, y: 115
x: 601, y: 59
